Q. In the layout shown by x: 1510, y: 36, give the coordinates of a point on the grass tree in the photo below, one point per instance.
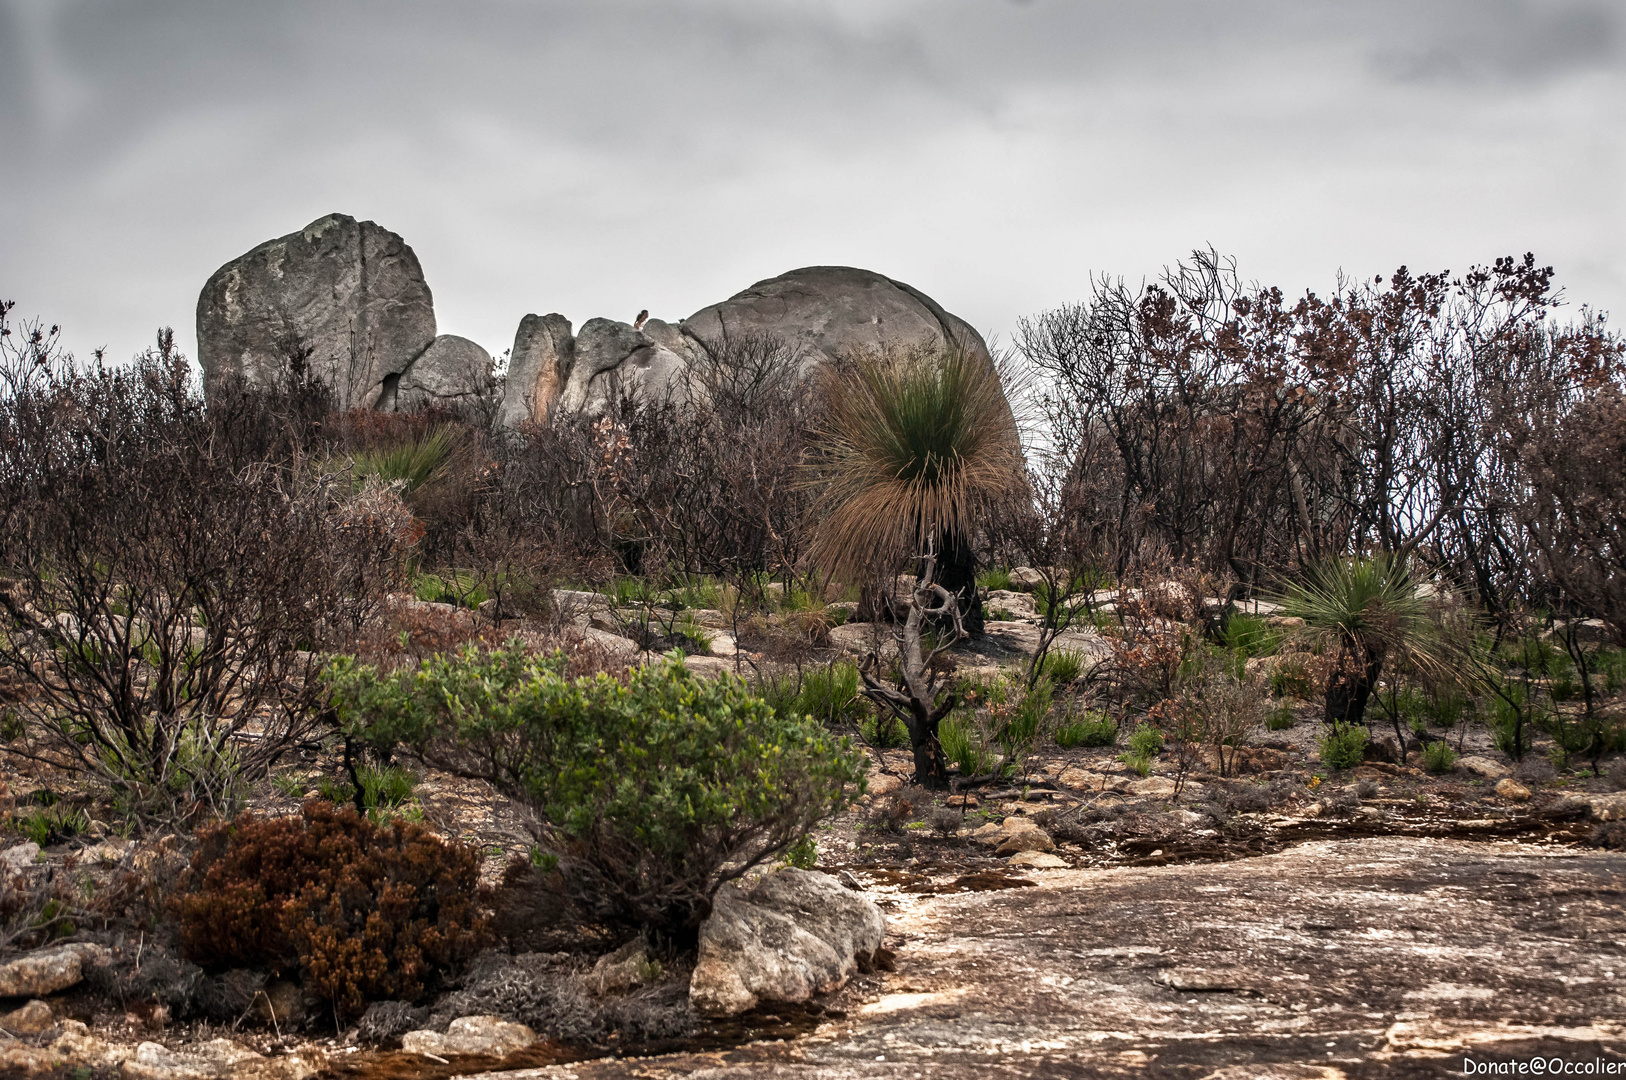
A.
x: 918, y: 447
x: 1369, y: 612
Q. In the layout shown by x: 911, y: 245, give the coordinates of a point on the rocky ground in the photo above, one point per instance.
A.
x: 1283, y: 920
x: 1371, y: 957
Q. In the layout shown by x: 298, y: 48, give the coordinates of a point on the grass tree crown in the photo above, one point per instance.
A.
x: 917, y: 445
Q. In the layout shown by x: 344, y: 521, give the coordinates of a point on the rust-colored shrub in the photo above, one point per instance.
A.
x: 364, y: 911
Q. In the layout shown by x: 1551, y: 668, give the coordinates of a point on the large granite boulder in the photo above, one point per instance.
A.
x: 452, y: 371
x: 348, y: 299
x: 793, y: 934
x: 816, y: 314
x: 821, y: 312
x: 541, y: 359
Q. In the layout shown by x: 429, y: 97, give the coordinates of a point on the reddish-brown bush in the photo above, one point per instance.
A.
x: 363, y: 911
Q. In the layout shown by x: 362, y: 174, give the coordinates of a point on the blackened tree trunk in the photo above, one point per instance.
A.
x: 1350, y: 685
x: 957, y: 572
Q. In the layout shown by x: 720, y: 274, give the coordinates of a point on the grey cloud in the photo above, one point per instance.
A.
x: 555, y: 153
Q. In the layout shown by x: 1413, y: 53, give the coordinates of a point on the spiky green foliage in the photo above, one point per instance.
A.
x: 418, y: 462
x: 1369, y: 612
x: 917, y: 445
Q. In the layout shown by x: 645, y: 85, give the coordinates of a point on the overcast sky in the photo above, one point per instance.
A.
x: 602, y: 156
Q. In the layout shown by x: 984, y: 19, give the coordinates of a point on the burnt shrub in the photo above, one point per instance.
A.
x: 363, y: 911
x: 169, y: 575
x: 649, y: 791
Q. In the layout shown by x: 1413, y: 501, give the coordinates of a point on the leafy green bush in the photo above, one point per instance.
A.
x: 1090, y: 729
x: 1438, y: 757
x: 1280, y: 718
x: 1343, y: 745
x: 803, y: 854
x: 653, y: 791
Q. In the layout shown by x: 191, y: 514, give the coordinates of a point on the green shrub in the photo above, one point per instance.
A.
x: 1280, y: 718
x: 654, y: 791
x: 1090, y: 729
x: 363, y: 911
x: 803, y: 854
x: 1438, y: 757
x: 1343, y: 745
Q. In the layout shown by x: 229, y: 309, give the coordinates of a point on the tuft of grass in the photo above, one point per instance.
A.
x: 1438, y: 757
x: 1280, y: 718
x: 830, y: 694
x: 1063, y: 667
x: 1292, y: 679
x: 1146, y: 740
x: 963, y: 748
x: 290, y: 785
x: 51, y: 824
x: 1089, y: 729
x: 417, y: 463
x: 995, y: 577
x: 1249, y: 636
x: 884, y: 732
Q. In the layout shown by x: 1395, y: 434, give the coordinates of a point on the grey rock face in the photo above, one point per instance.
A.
x: 794, y: 934
x: 817, y: 314
x: 452, y: 371
x: 543, y: 350
x: 823, y: 311
x: 351, y: 292
x: 612, y: 358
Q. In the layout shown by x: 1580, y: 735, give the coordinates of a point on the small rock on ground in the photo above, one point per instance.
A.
x: 490, y: 1035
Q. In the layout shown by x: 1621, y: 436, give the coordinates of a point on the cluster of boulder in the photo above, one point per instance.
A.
x: 345, y: 301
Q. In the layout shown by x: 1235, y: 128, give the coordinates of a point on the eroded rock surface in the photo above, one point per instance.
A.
x: 815, y: 314
x: 1359, y: 958
x: 346, y: 295
x: 452, y: 371
x: 794, y: 934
